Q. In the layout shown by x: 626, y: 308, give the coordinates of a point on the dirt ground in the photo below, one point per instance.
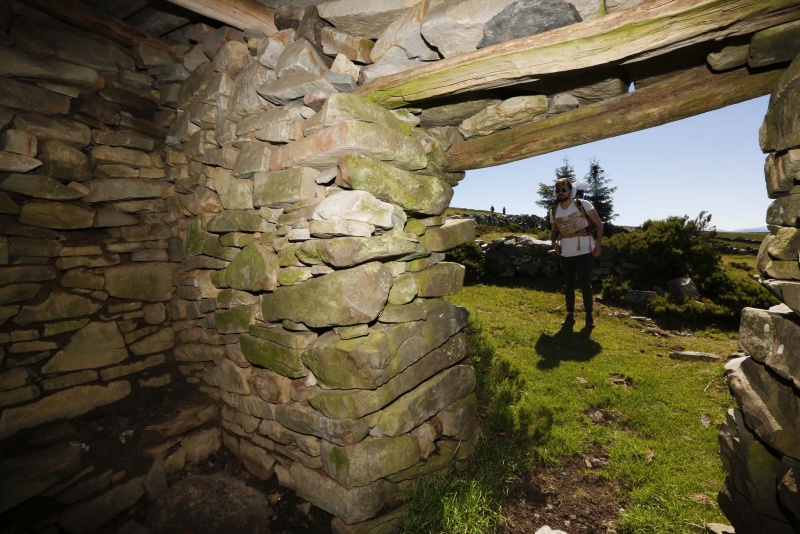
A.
x: 570, y: 497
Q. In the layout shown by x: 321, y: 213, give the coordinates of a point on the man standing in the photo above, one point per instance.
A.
x: 572, y: 224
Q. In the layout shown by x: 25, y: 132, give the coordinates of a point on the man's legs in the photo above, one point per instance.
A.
x: 585, y: 266
x: 569, y: 268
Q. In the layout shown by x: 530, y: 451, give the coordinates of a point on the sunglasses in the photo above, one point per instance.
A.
x: 562, y: 189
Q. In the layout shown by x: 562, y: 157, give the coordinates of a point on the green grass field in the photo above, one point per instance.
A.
x: 661, y: 440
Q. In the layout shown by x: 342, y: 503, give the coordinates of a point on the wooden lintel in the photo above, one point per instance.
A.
x: 241, y: 14
x: 690, y: 93
x: 82, y: 16
x: 649, y: 29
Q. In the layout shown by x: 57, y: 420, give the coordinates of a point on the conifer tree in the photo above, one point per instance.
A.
x: 599, y: 193
x: 547, y: 192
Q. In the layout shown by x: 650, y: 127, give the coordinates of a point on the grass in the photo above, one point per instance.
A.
x: 540, y: 382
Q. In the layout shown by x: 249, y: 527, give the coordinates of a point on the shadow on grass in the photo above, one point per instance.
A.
x: 468, y: 500
x: 566, y: 345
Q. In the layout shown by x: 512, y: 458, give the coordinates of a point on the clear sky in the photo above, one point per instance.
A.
x: 709, y: 162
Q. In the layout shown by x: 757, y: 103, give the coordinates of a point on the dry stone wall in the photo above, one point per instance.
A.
x: 760, y: 440
x: 313, y: 276
x: 89, y: 251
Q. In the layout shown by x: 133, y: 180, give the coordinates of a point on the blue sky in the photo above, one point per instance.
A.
x: 709, y: 162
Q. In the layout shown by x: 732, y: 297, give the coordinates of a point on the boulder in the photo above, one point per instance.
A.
x: 370, y: 460
x: 150, y: 282
x: 752, y: 472
x: 64, y: 162
x: 442, y: 279
x: 65, y: 404
x: 322, y: 149
x: 57, y: 306
x: 346, y: 297
x: 415, y: 193
x: 95, y: 345
x: 345, y: 107
x: 306, y: 420
x: 284, y: 188
x: 27, y: 97
x: 772, y: 337
x: 264, y: 353
x: 351, y: 506
x: 771, y: 408
x: 405, y: 33
x: 425, y: 401
x: 13, y: 162
x: 57, y: 215
x: 255, y: 268
x: 454, y: 232
x: 39, y: 186
x: 350, y: 251
x: 354, y: 48
x: 294, y: 86
x: 456, y: 26
x: 370, y: 361
x: 368, y: 21
x: 524, y: 18
x: 507, y: 114
x: 73, y: 133
x: 359, y: 206
x: 354, y: 404
x: 244, y: 99
x: 300, y: 57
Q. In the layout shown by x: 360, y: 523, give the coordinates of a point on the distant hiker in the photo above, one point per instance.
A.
x: 492, y: 210
x: 504, y: 210
x: 576, y: 234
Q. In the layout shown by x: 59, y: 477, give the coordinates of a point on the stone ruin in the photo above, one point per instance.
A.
x: 760, y: 439
x: 226, y: 244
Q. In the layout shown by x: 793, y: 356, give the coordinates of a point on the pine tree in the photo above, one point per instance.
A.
x: 599, y: 193
x: 547, y: 193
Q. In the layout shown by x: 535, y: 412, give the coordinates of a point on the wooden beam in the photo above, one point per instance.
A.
x: 646, y: 30
x: 82, y: 16
x: 241, y: 14
x: 684, y: 95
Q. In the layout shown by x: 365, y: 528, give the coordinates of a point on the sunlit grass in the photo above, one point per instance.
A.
x: 663, y: 456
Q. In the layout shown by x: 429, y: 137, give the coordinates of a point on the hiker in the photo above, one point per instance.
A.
x: 576, y: 234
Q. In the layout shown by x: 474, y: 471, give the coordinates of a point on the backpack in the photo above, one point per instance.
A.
x: 589, y: 230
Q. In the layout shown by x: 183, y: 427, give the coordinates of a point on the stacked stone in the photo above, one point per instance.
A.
x: 525, y: 256
x: 88, y: 246
x: 313, y: 277
x: 760, y: 440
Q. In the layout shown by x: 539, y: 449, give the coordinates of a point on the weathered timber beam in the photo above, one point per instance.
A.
x: 241, y: 14
x: 687, y: 94
x: 82, y: 16
x: 649, y: 29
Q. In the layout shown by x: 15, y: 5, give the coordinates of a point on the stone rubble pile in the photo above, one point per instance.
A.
x: 313, y: 274
x: 759, y: 441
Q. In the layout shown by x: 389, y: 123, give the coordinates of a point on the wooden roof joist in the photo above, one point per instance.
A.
x: 650, y: 29
x: 687, y: 94
x: 82, y: 16
x: 241, y: 14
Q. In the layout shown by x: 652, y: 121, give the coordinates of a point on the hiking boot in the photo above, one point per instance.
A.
x: 569, y: 320
x: 589, y: 321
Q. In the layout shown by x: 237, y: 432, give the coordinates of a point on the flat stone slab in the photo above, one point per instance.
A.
x: 694, y: 356
x: 367, y: 20
x: 415, y: 193
x: 341, y: 298
x: 322, y: 149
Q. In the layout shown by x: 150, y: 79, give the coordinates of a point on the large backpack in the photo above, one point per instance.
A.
x: 591, y: 229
